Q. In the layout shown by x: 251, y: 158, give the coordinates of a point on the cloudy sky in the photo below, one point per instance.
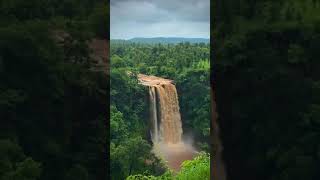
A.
x: 159, y: 18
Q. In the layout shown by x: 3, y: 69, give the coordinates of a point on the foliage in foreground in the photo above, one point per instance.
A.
x: 196, y: 169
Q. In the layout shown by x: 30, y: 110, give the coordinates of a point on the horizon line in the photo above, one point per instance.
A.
x: 161, y: 37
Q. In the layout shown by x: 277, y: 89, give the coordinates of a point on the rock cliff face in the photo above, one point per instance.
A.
x: 99, y: 50
x: 100, y: 54
x: 217, y: 163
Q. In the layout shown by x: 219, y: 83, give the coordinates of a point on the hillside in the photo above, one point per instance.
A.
x: 166, y: 40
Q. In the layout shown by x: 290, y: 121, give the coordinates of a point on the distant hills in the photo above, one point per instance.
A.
x: 165, y: 40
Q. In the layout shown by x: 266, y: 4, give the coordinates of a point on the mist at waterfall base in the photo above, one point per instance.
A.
x: 175, y: 154
x: 166, y: 125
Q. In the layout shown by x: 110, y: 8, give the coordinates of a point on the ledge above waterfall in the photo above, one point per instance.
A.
x: 153, y: 80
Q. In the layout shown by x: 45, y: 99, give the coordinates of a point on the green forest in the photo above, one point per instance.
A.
x: 266, y: 79
x: 53, y: 96
x: 185, y: 63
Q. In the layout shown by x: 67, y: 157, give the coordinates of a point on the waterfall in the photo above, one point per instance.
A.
x: 166, y: 126
x: 169, y: 113
x: 153, y: 113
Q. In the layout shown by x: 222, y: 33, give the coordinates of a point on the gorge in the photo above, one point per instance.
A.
x: 166, y: 125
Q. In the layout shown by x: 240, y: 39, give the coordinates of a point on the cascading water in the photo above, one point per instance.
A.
x: 170, y: 126
x: 164, y: 104
x: 166, y: 131
x: 154, y: 119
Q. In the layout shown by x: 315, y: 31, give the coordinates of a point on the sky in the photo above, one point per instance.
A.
x: 159, y: 18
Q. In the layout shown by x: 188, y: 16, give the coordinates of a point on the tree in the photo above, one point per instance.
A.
x: 15, y: 165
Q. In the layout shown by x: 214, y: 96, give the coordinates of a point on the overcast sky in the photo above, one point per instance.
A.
x: 159, y: 18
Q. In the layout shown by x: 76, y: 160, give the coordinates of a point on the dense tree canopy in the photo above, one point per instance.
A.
x: 266, y: 72
x: 52, y: 105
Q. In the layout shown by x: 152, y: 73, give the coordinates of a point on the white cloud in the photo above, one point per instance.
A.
x: 142, y: 18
